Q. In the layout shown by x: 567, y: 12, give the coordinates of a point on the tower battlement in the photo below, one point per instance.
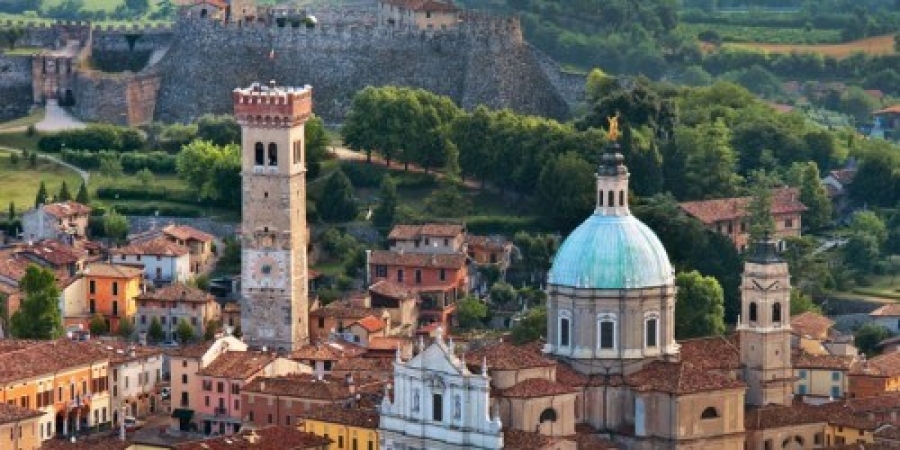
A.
x: 272, y: 105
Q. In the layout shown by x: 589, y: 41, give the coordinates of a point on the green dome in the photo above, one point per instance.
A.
x: 611, y: 252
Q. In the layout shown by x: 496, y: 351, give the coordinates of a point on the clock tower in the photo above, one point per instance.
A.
x: 765, y: 326
x: 275, y: 309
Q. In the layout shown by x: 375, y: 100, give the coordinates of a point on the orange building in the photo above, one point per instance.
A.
x: 111, y: 290
x: 19, y: 427
x: 875, y: 377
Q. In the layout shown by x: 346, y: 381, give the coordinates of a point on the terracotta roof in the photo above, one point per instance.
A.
x: 327, y: 351
x: 222, y: 4
x: 888, y: 432
x: 803, y: 360
x: 121, y: 352
x: 423, y: 260
x: 525, y: 440
x: 505, y: 356
x: 354, y: 417
x: 390, y: 289
x: 300, y: 386
x: 177, y: 292
x: 488, y: 242
x: 843, y: 176
x: 570, y: 377
x: 889, y: 310
x: 113, y: 271
x: 679, y: 378
x: 811, y: 324
x: 187, y: 233
x: 13, y: 267
x: 536, y: 387
x: 20, y: 360
x: 67, y: 209
x: 268, y: 438
x: 388, y: 342
x: 87, y: 443
x: 192, y: 351
x: 369, y: 365
x: 712, y: 353
x: 237, y: 365
x: 784, y: 200
x: 344, y: 310
x: 895, y: 109
x: 159, y: 247
x: 887, y: 365
x: 55, y: 252
x: 371, y: 324
x: 407, y: 232
x: 232, y: 307
x: 12, y: 413
x: 777, y: 416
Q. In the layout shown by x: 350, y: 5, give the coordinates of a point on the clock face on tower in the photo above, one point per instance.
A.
x: 266, y: 269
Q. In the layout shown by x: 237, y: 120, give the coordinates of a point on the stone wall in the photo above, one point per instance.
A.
x: 483, y: 62
x: 121, y: 99
x: 15, y: 86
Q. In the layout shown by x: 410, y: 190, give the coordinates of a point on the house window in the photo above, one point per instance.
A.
x: 220, y: 387
x: 260, y: 154
x: 184, y: 379
x: 611, y: 198
x: 321, y: 322
x: 93, y: 306
x: 399, y: 275
x: 381, y: 271
x: 273, y: 154
x: 651, y: 329
x: 437, y: 407
x: 340, y: 442
x: 801, y: 389
x: 206, y: 400
x: 93, y: 284
x: 818, y: 439
x: 235, y: 389
x: 418, y: 276
x: 297, y: 151
x: 802, y: 374
x: 835, y: 376
x: 835, y: 392
x: 709, y: 413
x: 753, y: 312
x: 446, y: 242
x: 237, y: 404
x: 607, y: 332
x: 443, y: 274
x: 115, y: 305
x: 115, y: 288
x: 789, y: 223
x: 143, y: 320
x: 730, y: 228
x: 565, y: 328
x: 776, y: 312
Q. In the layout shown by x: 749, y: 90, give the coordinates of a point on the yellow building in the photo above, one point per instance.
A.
x: 845, y: 429
x: 348, y: 428
x: 419, y: 14
x: 19, y: 427
x: 821, y: 377
x: 111, y: 289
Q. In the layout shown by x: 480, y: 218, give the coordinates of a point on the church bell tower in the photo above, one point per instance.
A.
x: 275, y: 309
x: 765, y: 326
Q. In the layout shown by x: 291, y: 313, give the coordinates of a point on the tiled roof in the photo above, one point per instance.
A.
x: 570, y: 377
x: 300, y: 386
x: 407, y: 232
x: 536, y: 387
x: 121, y: 352
x: 159, y: 247
x: 87, y: 443
x: 344, y: 310
x: 712, y: 353
x: 268, y: 438
x: 895, y: 109
x: 843, y: 176
x: 371, y: 324
x: 237, y: 365
x: 327, y: 351
x: 777, y: 416
x: 390, y: 289
x: 784, y: 200
x: 20, y: 360
x: 12, y: 413
x: 113, y: 271
x: 811, y: 324
x: 186, y: 233
x: 13, y: 267
x: 890, y: 310
x: 803, y: 360
x: 505, y: 356
x: 177, y: 292
x: 192, y: 351
x: 679, y: 378
x: 889, y: 432
x: 55, y: 252
x: 488, y: 242
x: 370, y: 365
x: 525, y: 440
x: 387, y: 342
x: 232, y: 307
x: 423, y: 260
x: 67, y: 209
x: 354, y: 417
x: 887, y: 365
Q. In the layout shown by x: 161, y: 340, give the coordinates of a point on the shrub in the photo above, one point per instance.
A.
x: 502, y: 224
x: 364, y: 175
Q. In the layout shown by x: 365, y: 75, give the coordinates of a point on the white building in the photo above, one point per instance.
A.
x: 888, y: 316
x: 55, y: 220
x: 134, y: 373
x: 439, y: 404
x: 163, y: 261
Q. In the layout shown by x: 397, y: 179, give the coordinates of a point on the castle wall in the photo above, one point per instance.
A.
x: 15, y: 86
x: 121, y: 99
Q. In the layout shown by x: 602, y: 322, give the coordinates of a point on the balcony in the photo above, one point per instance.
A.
x: 220, y: 411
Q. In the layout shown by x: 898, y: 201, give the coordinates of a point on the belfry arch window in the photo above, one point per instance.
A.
x: 548, y: 415
x: 600, y: 198
x: 606, y: 332
x: 709, y: 413
x: 651, y: 331
x: 776, y: 312
x: 273, y: 154
x: 565, y: 328
x: 621, y: 198
x: 754, y: 316
x: 260, y: 154
x: 611, y: 199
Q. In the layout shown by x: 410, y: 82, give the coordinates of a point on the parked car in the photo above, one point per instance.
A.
x: 132, y: 424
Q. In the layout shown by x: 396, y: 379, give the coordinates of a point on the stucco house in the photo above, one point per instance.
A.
x: 888, y: 316
x: 419, y: 14
x: 55, y: 221
x: 162, y: 260
x: 173, y: 303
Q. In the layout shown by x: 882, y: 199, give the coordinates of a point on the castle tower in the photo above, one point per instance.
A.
x: 764, y: 326
x: 275, y: 308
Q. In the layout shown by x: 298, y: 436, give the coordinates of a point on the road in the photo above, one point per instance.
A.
x: 58, y: 119
x: 85, y: 175
x: 345, y: 154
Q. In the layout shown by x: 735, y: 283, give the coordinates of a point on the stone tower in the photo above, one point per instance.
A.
x: 764, y: 326
x: 275, y: 308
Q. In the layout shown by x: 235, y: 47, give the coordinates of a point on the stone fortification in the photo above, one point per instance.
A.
x: 485, y: 61
x: 15, y: 86
x: 122, y: 99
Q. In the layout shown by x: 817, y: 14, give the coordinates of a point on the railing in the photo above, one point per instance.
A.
x: 221, y: 411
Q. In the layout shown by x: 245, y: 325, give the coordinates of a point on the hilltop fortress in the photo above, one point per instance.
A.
x: 188, y: 69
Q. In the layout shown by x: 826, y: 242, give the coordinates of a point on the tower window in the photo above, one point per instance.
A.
x: 437, y: 407
x: 607, y: 332
x: 621, y: 198
x: 651, y: 331
x: 611, y: 199
x: 548, y: 415
x: 260, y: 154
x: 273, y: 154
x: 753, y: 313
x: 565, y: 330
x: 776, y: 312
x: 709, y: 413
x: 600, y: 199
x: 297, y: 151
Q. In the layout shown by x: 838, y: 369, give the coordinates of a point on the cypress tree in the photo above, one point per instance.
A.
x: 82, y: 196
x: 64, y: 194
x: 41, y: 196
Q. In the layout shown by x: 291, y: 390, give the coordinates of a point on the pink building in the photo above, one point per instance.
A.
x: 218, y: 403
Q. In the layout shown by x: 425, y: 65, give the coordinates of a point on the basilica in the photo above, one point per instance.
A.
x: 610, y: 374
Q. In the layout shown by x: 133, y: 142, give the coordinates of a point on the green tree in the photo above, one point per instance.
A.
x: 532, y: 327
x: 710, y: 161
x: 184, y: 331
x: 502, y: 294
x: 858, y: 104
x: 877, y: 180
x: 156, y: 332
x: 699, y: 306
x: 861, y: 251
x: 599, y: 85
x: 212, y: 170
x: 870, y: 224
x: 337, y: 203
x: 139, y: 7
x: 64, y: 194
x: 566, y: 188
x: 471, y: 313
x: 41, y: 197
x: 126, y: 328
x: 212, y: 327
x: 145, y: 177
x: 11, y: 212
x: 760, y: 207
x: 383, y: 216
x: 98, y: 325
x: 814, y: 196
x: 38, y: 316
x: 801, y: 303
x: 12, y: 35
x: 111, y: 166
x: 219, y: 130
x: 82, y: 196
x: 115, y: 225
x: 868, y: 336
x: 316, y: 146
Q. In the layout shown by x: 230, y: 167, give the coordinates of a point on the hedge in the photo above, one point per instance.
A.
x: 503, y: 224
x: 157, y: 162
x: 159, y: 193
x: 150, y: 209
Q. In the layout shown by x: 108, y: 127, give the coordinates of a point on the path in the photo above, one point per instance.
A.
x: 57, y: 119
x: 85, y: 175
x: 345, y: 154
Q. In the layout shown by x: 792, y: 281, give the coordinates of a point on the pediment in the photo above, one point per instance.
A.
x: 435, y: 358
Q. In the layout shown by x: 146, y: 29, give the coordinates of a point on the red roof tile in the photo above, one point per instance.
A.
x: 12, y: 413
x: 237, y: 365
x: 187, y: 233
x: 887, y: 365
x: 843, y: 176
x: 26, y: 359
x: 344, y: 310
x: 536, y: 387
x: 54, y: 252
x: 890, y: 310
x: 803, y: 360
x: 712, y: 353
x: 393, y: 290
x: 895, y: 109
x: 177, y: 292
x: 300, y: 386
x: 408, y: 232
x: 113, y: 271
x: 679, y: 379
x: 811, y: 324
x: 423, y: 260
x: 338, y: 414
x: 158, y: 247
x: 67, y: 209
x: 327, y: 351
x: 505, y: 356
x: 784, y: 200
x: 371, y: 324
x: 268, y: 438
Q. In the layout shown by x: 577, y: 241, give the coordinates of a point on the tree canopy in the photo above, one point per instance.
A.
x: 38, y: 316
x: 699, y: 306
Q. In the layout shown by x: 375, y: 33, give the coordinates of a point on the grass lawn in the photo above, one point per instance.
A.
x: 20, y: 183
x: 878, y: 45
x: 19, y: 140
x: 331, y: 268
x: 36, y: 116
x: 99, y: 5
x: 22, y: 51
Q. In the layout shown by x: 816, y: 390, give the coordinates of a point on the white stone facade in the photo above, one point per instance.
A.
x: 133, y: 381
x: 159, y: 268
x: 438, y: 404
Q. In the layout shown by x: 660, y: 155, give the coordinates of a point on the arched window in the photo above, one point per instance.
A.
x: 611, y: 199
x: 651, y: 331
x: 260, y: 154
x: 709, y: 413
x: 606, y: 332
x: 600, y: 199
x: 548, y: 415
x: 753, y: 313
x: 621, y: 198
x: 565, y: 328
x: 273, y: 154
x: 776, y: 312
